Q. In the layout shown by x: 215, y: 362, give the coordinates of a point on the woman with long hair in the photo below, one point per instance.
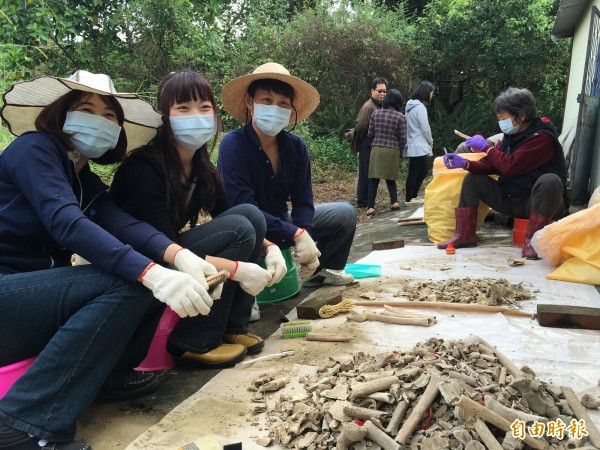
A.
x: 169, y: 183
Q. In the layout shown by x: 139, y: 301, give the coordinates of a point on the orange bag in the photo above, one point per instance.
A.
x: 573, y: 244
x: 441, y: 197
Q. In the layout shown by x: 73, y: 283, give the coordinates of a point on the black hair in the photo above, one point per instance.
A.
x: 422, y: 92
x: 516, y: 101
x: 378, y: 80
x: 392, y: 100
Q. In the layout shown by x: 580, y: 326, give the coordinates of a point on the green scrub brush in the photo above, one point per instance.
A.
x: 292, y: 330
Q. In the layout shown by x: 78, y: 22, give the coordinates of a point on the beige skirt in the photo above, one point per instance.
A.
x: 384, y: 163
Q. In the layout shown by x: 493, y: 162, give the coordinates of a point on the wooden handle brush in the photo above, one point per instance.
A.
x: 217, y: 278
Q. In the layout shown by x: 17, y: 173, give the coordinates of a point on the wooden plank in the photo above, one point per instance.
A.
x: 386, y: 245
x: 565, y: 316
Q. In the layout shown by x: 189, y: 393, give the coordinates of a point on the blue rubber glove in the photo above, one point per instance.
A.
x: 477, y: 143
x: 454, y: 161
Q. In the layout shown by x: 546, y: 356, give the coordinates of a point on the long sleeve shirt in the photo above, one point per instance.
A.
x: 248, y: 177
x: 139, y: 187
x: 387, y: 129
x: 49, y: 211
x: 418, y: 131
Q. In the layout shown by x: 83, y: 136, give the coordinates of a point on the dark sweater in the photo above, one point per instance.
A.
x: 48, y: 212
x: 140, y: 188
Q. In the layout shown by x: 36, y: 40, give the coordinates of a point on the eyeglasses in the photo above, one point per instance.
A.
x: 381, y: 91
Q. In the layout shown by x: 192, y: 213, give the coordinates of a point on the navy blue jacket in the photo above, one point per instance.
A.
x: 248, y: 177
x: 48, y: 212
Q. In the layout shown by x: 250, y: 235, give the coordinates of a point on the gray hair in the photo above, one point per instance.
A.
x: 516, y: 101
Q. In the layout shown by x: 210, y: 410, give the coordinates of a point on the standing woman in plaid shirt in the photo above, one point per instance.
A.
x: 387, y: 129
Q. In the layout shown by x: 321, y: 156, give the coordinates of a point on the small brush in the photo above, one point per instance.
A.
x: 219, y: 277
x: 298, y: 329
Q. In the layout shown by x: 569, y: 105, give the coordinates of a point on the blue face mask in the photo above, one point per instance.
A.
x: 192, y: 132
x: 507, y: 126
x: 91, y: 134
x: 271, y: 119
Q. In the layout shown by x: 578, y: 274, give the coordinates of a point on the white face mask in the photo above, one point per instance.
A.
x: 271, y: 119
x: 91, y: 134
x: 193, y: 131
x: 507, y: 126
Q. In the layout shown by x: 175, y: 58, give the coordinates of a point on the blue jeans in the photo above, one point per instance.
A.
x: 78, y: 320
x: 237, y: 234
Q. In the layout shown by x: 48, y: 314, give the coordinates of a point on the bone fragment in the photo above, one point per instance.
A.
x: 397, y: 417
x: 510, y: 414
x: 424, y: 402
x: 417, y: 321
x: 510, y: 366
x: 323, y: 337
x: 350, y: 433
x: 511, y: 442
x: 590, y: 401
x: 581, y: 413
x: 368, y: 387
x: 384, y: 397
x: 487, y: 415
x: 471, y: 381
x: 400, y: 312
x: 273, y: 385
x: 375, y: 375
x: 363, y: 413
x: 486, y: 435
x: 378, y: 436
x: 575, y: 443
x: 502, y: 376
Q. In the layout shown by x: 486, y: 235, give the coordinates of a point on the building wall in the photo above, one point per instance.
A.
x: 578, y: 54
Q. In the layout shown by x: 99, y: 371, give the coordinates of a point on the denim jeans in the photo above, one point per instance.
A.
x: 78, y: 320
x: 333, y: 232
x: 237, y: 234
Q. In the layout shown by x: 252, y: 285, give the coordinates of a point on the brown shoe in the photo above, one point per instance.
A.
x: 225, y: 355
x: 253, y: 343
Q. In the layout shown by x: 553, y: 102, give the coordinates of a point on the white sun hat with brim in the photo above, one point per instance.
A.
x: 24, y: 101
x: 306, y: 97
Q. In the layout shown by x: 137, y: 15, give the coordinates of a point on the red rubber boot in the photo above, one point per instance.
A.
x: 536, y: 222
x: 466, y: 222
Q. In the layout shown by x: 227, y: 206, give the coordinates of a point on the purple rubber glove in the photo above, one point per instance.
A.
x: 454, y: 161
x: 477, y: 143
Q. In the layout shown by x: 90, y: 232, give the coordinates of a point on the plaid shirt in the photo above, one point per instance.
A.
x: 388, y: 129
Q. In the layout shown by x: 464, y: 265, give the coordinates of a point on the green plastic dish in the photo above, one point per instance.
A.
x: 363, y: 270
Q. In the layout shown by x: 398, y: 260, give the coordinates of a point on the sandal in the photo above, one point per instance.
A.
x: 395, y: 207
x: 371, y: 212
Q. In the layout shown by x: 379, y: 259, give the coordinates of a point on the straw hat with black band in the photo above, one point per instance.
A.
x: 24, y: 101
x: 306, y: 97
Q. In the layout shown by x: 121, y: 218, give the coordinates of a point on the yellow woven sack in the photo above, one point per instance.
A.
x: 574, y: 241
x: 441, y: 197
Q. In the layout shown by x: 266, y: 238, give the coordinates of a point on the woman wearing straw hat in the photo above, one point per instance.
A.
x: 266, y: 166
x: 168, y: 183
x: 88, y: 325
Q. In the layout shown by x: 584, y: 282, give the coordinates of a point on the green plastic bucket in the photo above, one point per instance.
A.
x: 287, y: 287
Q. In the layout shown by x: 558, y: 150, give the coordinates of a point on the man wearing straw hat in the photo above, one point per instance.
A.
x: 264, y: 165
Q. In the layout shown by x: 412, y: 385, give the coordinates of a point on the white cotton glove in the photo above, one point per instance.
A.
x: 188, y: 262
x: 306, y: 249
x: 275, y: 264
x: 252, y: 277
x: 179, y: 290
x: 306, y: 270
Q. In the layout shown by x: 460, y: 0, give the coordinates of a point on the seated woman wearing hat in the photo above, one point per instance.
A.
x: 88, y: 325
x: 169, y: 183
x: 266, y: 166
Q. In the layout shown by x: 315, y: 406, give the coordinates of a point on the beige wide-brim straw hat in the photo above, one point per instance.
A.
x: 24, y: 101
x: 306, y: 97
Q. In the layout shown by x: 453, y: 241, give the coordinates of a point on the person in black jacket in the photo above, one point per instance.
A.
x: 168, y: 184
